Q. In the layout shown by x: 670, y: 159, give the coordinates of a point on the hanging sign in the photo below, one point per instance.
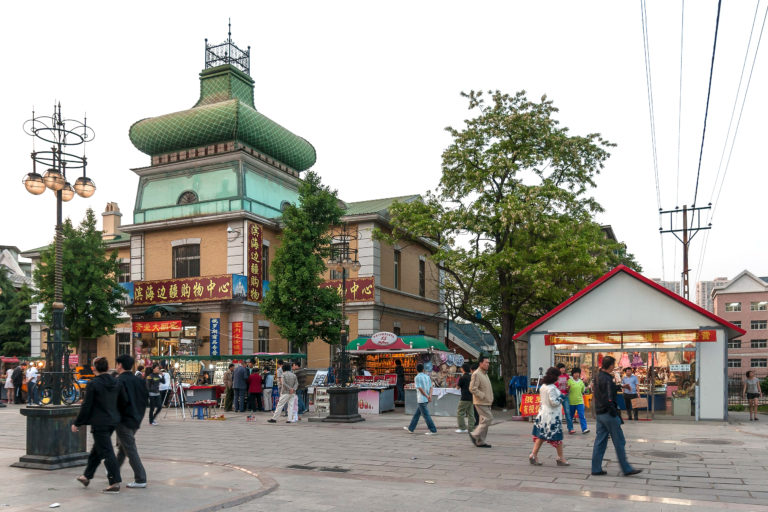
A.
x: 188, y: 289
x: 384, y: 338
x: 616, y: 338
x: 237, y: 338
x: 255, y: 266
x: 214, y: 338
x: 358, y: 288
x: 164, y: 326
x: 530, y: 403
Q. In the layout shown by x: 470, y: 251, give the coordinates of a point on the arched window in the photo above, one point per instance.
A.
x: 187, y: 197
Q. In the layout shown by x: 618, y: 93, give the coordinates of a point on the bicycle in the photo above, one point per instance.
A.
x: 70, y: 392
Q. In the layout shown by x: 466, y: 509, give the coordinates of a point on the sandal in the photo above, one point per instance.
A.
x: 534, y: 460
x: 83, y: 480
x: 562, y: 462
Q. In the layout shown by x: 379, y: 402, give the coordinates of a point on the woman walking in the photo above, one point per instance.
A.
x: 9, y: 391
x: 753, y: 392
x: 548, y: 425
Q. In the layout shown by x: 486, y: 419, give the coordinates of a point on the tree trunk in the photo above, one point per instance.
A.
x: 508, y: 356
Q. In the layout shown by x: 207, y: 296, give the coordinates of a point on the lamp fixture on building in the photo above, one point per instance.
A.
x: 344, y: 258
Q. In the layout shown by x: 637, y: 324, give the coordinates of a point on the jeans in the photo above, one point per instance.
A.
x: 102, y: 450
x: 608, y: 425
x: 126, y: 447
x: 582, y: 418
x: 302, y: 406
x: 568, y: 415
x: 628, y: 397
x: 32, y: 397
x: 400, y: 393
x: 155, y: 406
x: 422, y: 410
x: 465, y: 415
x: 240, y: 399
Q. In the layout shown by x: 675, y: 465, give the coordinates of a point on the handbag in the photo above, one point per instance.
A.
x: 639, y: 403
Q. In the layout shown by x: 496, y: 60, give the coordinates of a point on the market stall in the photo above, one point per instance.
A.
x: 376, y: 394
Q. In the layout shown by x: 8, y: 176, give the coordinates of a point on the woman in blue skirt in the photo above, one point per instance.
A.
x: 548, y: 425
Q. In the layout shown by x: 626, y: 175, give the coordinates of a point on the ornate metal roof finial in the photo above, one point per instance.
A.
x: 227, y: 53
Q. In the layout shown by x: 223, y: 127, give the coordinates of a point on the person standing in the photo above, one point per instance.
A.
x: 576, y: 389
x: 17, y: 377
x: 152, y: 382
x: 608, y: 422
x: 10, y: 394
x: 165, y: 384
x: 562, y: 385
x: 99, y: 410
x: 295, y: 367
x: 482, y: 398
x: 267, y: 381
x: 465, y: 413
x: 131, y: 404
x: 240, y: 383
x: 31, y: 376
x: 287, y: 394
x: 229, y: 396
x: 548, y: 425
x: 140, y: 371
x: 753, y: 393
x: 629, y: 386
x: 423, y: 398
x: 254, y: 391
x: 400, y: 382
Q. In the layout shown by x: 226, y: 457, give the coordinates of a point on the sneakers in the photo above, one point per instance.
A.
x: 270, y: 420
x: 430, y: 433
x: 153, y: 423
x: 408, y: 430
x: 460, y: 431
x: 112, y: 489
x: 137, y: 485
x: 83, y: 480
x: 585, y: 431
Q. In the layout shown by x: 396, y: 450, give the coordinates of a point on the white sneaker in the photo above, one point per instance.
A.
x: 408, y: 430
x: 430, y: 433
x: 459, y: 431
x: 137, y: 485
x: 154, y: 423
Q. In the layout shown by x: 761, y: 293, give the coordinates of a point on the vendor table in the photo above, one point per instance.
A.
x: 445, y: 401
x: 375, y: 400
x: 199, y: 393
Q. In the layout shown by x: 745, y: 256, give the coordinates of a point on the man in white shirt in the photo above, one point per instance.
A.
x: 31, y: 376
x: 165, y: 384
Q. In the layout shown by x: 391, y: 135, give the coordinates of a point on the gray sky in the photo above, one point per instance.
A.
x: 372, y: 86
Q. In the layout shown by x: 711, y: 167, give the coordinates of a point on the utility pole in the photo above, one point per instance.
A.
x: 688, y: 232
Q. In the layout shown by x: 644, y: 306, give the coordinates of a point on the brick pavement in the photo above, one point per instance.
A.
x: 376, y: 465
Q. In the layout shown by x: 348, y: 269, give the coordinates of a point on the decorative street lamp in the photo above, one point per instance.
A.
x: 343, y: 398
x: 50, y: 444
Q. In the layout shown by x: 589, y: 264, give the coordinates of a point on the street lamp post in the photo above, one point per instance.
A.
x: 50, y: 445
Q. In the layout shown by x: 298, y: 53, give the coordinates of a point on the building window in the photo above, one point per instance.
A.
x: 186, y: 261
x: 737, y: 323
x: 263, y: 339
x: 758, y: 324
x: 758, y: 344
x: 265, y: 261
x: 758, y: 306
x: 187, y: 197
x: 124, y: 274
x: 123, y: 343
x: 733, y: 306
x: 759, y: 363
x: 734, y: 363
x: 336, y: 274
x: 734, y: 343
x: 396, y: 330
x: 397, y: 270
x: 422, y: 278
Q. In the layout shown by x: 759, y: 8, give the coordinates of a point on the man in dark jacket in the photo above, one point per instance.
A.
x: 99, y: 410
x: 17, y: 377
x: 240, y: 383
x: 131, y: 403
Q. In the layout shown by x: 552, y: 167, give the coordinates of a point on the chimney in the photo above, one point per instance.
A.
x: 111, y: 221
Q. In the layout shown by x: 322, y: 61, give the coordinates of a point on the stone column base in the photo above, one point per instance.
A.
x: 343, y: 406
x: 50, y: 442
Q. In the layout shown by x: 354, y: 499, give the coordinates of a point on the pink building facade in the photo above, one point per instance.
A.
x: 744, y: 302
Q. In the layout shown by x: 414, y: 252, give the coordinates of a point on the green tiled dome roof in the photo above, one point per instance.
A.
x: 224, y: 112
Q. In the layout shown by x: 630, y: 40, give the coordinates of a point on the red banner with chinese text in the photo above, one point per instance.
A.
x: 530, y: 403
x: 163, y: 326
x: 254, y: 266
x: 358, y: 288
x: 188, y: 289
x: 237, y: 338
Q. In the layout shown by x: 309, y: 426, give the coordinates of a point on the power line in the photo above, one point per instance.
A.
x: 706, y: 110
x: 679, y: 122
x: 738, y: 123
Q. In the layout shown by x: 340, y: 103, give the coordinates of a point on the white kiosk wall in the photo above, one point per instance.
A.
x: 711, y: 369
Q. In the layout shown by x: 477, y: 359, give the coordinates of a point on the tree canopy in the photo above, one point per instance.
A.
x: 14, y: 313
x: 512, y: 216
x: 295, y: 302
x: 90, y: 291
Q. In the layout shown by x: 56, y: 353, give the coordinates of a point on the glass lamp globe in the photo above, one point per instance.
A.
x: 34, y: 183
x: 54, y: 180
x: 67, y: 193
x: 85, y: 187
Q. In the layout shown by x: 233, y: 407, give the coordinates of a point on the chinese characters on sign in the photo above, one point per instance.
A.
x: 578, y: 338
x: 237, y: 338
x: 214, y: 338
x: 189, y: 289
x: 529, y: 405
x: 255, y: 241
x: 358, y: 288
x: 164, y: 326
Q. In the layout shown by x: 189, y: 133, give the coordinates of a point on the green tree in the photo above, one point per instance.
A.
x: 295, y: 302
x: 14, y: 312
x: 511, y: 217
x: 90, y: 291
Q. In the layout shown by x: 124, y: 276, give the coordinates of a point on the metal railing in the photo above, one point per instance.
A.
x: 736, y: 384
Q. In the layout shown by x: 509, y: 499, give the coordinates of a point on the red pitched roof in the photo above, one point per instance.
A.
x: 642, y: 279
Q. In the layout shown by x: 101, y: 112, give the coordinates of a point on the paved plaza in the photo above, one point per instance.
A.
x: 376, y: 465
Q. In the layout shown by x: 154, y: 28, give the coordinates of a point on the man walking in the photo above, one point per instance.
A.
x: 465, y: 414
x: 287, y: 394
x: 99, y: 410
x: 608, y: 421
x: 131, y: 404
x: 576, y: 389
x: 482, y: 398
x: 240, y: 383
x: 31, y: 376
x: 152, y: 382
x: 229, y: 396
x: 17, y: 377
x: 423, y: 397
x: 629, y: 387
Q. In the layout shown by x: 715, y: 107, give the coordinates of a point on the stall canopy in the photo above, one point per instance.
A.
x: 418, y: 343
x: 230, y: 357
